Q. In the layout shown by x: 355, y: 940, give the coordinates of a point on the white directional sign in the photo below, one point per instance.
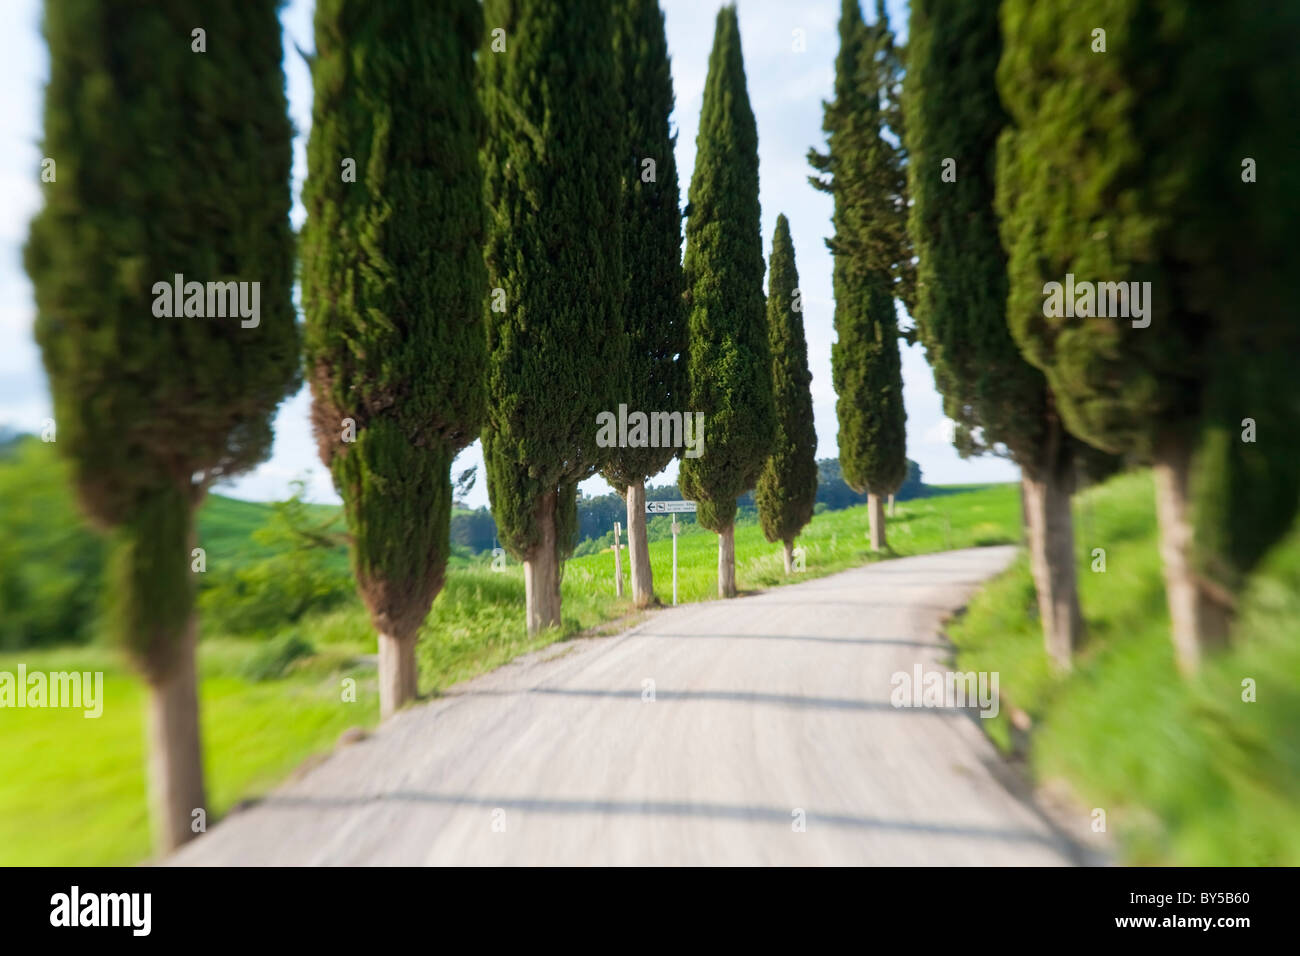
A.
x: 669, y: 507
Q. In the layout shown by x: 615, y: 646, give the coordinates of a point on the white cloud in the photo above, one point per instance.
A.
x: 940, y: 433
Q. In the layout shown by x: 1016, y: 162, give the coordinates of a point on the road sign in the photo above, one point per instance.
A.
x: 669, y: 507
x: 672, y: 508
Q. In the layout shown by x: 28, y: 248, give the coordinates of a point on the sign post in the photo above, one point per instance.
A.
x: 618, y: 564
x: 671, y: 508
x: 676, y: 528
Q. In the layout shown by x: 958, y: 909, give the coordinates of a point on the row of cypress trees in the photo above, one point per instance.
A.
x: 992, y: 393
x: 486, y: 251
x: 599, y: 310
x: 1155, y: 144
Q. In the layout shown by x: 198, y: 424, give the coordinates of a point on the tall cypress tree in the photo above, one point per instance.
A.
x: 393, y: 290
x: 556, y: 347
x: 862, y: 171
x: 993, y: 395
x: 787, y: 488
x: 654, y: 378
x: 1167, y: 158
x: 176, y: 164
x: 894, y: 247
x: 728, y: 362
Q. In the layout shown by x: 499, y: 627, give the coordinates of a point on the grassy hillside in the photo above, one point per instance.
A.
x: 72, y: 789
x: 1187, y: 772
x: 226, y: 527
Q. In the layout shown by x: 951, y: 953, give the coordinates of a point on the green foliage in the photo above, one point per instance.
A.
x: 273, y: 659
x: 149, y: 592
x: 654, y: 378
x: 553, y: 187
x: 393, y: 282
x: 954, y: 113
x: 51, y: 563
x: 865, y: 174
x: 1103, y: 175
x: 151, y: 409
x: 787, y: 488
x: 301, y: 575
x: 474, y: 530
x: 834, y: 492
x: 729, y: 366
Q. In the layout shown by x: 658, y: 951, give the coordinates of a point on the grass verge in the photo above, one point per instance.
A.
x: 1188, y: 772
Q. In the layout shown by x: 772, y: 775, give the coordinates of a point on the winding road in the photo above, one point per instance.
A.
x: 769, y: 739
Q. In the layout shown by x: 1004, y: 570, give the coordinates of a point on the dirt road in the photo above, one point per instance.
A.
x: 706, y: 735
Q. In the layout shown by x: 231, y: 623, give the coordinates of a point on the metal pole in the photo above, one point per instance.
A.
x: 675, y: 527
x: 618, y: 564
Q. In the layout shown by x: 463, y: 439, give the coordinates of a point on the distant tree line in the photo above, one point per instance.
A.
x: 476, y: 530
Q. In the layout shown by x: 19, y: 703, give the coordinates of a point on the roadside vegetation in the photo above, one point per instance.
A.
x: 1188, y: 772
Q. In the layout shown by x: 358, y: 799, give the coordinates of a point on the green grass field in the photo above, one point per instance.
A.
x: 1187, y: 772
x: 72, y: 789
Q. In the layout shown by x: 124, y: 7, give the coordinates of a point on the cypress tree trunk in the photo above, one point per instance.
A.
x: 1051, y: 559
x: 789, y: 555
x: 1024, y: 513
x: 891, y: 506
x: 397, y: 672
x: 876, y: 510
x: 1199, y: 623
x: 638, y: 548
x: 727, y: 562
x: 542, y: 571
x: 175, y: 750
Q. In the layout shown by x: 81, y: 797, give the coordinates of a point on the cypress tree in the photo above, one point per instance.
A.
x: 895, y: 245
x: 728, y: 362
x: 172, y: 164
x: 393, y: 290
x: 555, y: 332
x: 654, y: 378
x: 787, y: 488
x: 862, y: 171
x: 990, y: 392
x: 1131, y: 166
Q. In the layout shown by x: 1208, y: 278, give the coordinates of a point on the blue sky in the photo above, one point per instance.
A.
x: 785, y: 89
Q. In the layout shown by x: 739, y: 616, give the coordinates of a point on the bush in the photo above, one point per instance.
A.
x: 306, y: 574
x: 272, y: 660
x: 51, y: 562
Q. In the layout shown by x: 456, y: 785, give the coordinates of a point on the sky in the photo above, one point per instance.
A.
x: 786, y: 89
